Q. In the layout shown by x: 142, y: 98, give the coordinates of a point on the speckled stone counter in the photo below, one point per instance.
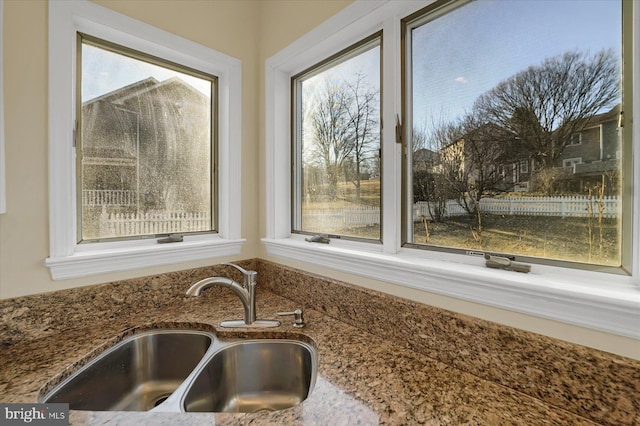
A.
x: 382, y: 360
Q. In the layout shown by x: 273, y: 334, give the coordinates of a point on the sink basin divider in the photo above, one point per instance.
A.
x: 174, y: 403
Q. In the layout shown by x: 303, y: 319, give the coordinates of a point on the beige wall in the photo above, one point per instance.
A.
x: 227, y: 26
x: 250, y: 30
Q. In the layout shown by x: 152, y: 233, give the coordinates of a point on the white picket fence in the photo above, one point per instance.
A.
x: 334, y: 220
x: 98, y: 197
x: 577, y: 206
x: 122, y: 224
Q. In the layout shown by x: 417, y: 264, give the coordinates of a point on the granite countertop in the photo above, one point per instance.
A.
x: 362, y: 379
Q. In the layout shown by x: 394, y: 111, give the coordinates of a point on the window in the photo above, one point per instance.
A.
x: 588, y: 298
x: 576, y: 139
x: 145, y: 145
x: 336, y: 175
x: 118, y: 179
x: 534, y: 104
x: 569, y: 162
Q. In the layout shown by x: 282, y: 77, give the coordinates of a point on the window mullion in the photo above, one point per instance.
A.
x: 391, y: 150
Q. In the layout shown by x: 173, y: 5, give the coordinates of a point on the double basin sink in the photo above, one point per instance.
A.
x: 191, y: 371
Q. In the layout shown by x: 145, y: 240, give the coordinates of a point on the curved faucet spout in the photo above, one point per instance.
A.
x: 246, y: 295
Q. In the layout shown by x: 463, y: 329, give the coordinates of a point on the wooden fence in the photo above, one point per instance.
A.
x: 123, y: 224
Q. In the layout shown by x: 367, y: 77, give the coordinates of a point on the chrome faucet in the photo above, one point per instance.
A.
x: 245, y: 291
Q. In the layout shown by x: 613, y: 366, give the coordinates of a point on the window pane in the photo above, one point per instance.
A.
x: 515, y: 148
x: 337, y: 146
x: 146, y: 144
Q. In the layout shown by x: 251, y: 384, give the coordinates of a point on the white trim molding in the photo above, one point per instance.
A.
x: 594, y: 300
x: 68, y: 259
x: 82, y: 264
x: 583, y: 301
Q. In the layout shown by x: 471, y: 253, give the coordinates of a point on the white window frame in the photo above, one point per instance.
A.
x: 579, y: 142
x: 595, y: 300
x: 524, y: 166
x: 67, y: 258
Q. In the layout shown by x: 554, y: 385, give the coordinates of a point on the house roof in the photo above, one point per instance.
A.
x: 123, y: 91
x: 604, y: 117
x: 141, y: 87
x: 424, y: 154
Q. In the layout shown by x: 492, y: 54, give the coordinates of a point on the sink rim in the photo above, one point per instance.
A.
x: 60, y: 380
x: 174, y: 403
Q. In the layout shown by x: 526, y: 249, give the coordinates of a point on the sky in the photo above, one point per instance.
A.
x: 456, y: 57
x: 465, y: 53
x: 366, y: 63
x: 105, y: 71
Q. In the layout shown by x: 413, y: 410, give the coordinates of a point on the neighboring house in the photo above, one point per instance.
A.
x: 136, y: 140
x: 425, y: 160
x: 453, y: 160
x: 515, y: 168
x: 592, y: 154
x: 473, y: 160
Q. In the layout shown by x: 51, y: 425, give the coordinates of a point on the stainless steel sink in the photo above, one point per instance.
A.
x: 256, y: 375
x: 136, y: 374
x: 188, y: 370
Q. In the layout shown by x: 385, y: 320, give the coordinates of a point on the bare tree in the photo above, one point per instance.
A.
x: 468, y: 152
x: 540, y: 108
x: 431, y: 172
x: 331, y: 130
x: 363, y: 114
x: 345, y: 130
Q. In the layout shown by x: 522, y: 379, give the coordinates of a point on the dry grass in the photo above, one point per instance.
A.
x: 537, y: 236
x: 369, y: 196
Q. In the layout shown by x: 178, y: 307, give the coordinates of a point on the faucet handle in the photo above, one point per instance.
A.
x: 249, y: 277
x: 298, y: 320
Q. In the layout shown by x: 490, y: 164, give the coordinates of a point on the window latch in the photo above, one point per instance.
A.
x: 498, y: 262
x: 74, y: 136
x: 177, y: 238
x: 398, y: 130
x: 621, y: 120
x: 320, y: 238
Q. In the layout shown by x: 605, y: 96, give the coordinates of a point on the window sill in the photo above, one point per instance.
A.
x: 115, y: 259
x: 569, y: 296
